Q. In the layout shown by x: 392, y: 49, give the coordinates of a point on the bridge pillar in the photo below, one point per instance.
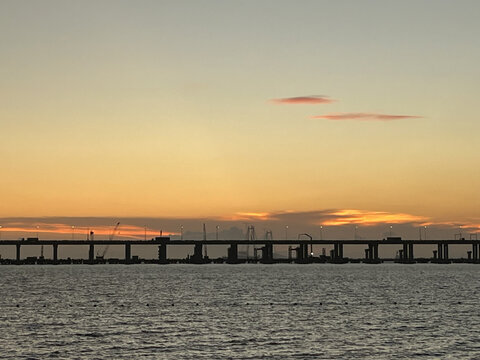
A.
x: 405, y: 252
x: 340, y: 251
x: 18, y: 255
x: 91, y: 253
x: 267, y: 252
x: 410, y: 251
x: 435, y: 254
x: 367, y: 254
x: 162, y: 253
x: 469, y: 255
x: 401, y: 254
x: 337, y: 251
x: 55, y: 253
x: 372, y: 252
x: 475, y: 252
x: 198, y: 253
x: 440, y: 251
x: 128, y: 252
x: 304, y: 251
x: 445, y: 251
x: 233, y: 253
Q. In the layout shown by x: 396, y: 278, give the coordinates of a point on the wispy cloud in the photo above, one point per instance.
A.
x: 331, y: 217
x: 369, y: 218
x: 250, y: 216
x: 365, y: 117
x: 310, y: 100
x: 61, y: 227
x: 33, y: 228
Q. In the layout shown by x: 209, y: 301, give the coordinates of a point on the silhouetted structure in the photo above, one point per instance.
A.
x: 297, y: 250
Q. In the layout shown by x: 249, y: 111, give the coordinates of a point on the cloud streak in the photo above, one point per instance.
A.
x: 300, y: 221
x: 364, y: 117
x: 308, y: 100
x: 331, y: 217
x: 32, y: 228
x: 369, y: 218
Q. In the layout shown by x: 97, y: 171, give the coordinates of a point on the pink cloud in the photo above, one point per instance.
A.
x: 369, y: 218
x: 365, y: 117
x: 311, y: 100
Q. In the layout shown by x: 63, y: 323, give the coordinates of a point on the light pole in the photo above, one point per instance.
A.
x: 37, y: 227
x: 1, y: 232
x: 355, y: 236
x: 216, y: 232
x: 181, y: 232
x: 145, y: 233
x: 73, y: 232
x: 286, y: 232
x: 321, y: 232
x: 425, y: 232
x: 391, y: 230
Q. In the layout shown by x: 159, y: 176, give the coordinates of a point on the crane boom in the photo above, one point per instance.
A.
x: 110, y: 237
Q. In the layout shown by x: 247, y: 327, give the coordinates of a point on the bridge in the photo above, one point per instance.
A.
x: 300, y: 251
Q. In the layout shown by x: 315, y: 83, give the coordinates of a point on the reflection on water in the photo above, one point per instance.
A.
x: 351, y: 311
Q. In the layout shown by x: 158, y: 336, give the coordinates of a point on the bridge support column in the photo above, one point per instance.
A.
x: 267, y: 253
x: 435, y: 254
x: 162, y: 253
x: 367, y: 254
x: 340, y: 251
x: 55, y: 253
x: 445, y: 251
x: 337, y: 251
x: 18, y: 255
x: 410, y: 252
x: 375, y: 251
x: 198, y: 253
x: 405, y: 252
x: 475, y: 252
x: 304, y: 251
x: 401, y: 254
x: 91, y: 253
x: 128, y: 253
x: 440, y: 251
x: 469, y: 255
x: 233, y: 254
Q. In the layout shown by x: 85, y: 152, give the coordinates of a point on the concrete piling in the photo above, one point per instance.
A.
x: 91, y: 253
x: 128, y: 253
x: 55, y: 253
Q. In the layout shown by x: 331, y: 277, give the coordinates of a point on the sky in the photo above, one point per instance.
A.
x: 332, y: 113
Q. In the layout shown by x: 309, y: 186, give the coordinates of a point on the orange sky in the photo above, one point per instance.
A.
x: 159, y: 112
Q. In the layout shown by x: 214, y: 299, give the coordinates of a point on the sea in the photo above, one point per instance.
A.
x: 248, y: 311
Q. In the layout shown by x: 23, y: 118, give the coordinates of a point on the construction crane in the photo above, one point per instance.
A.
x: 110, y: 237
x: 311, y: 239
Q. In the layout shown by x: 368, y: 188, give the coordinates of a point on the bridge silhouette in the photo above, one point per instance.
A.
x: 300, y: 251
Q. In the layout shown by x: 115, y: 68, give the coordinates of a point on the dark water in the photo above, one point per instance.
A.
x: 321, y: 311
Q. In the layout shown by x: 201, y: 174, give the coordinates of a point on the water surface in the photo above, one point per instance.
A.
x: 317, y: 311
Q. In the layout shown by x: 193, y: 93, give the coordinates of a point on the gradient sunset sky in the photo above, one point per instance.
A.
x: 343, y: 112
